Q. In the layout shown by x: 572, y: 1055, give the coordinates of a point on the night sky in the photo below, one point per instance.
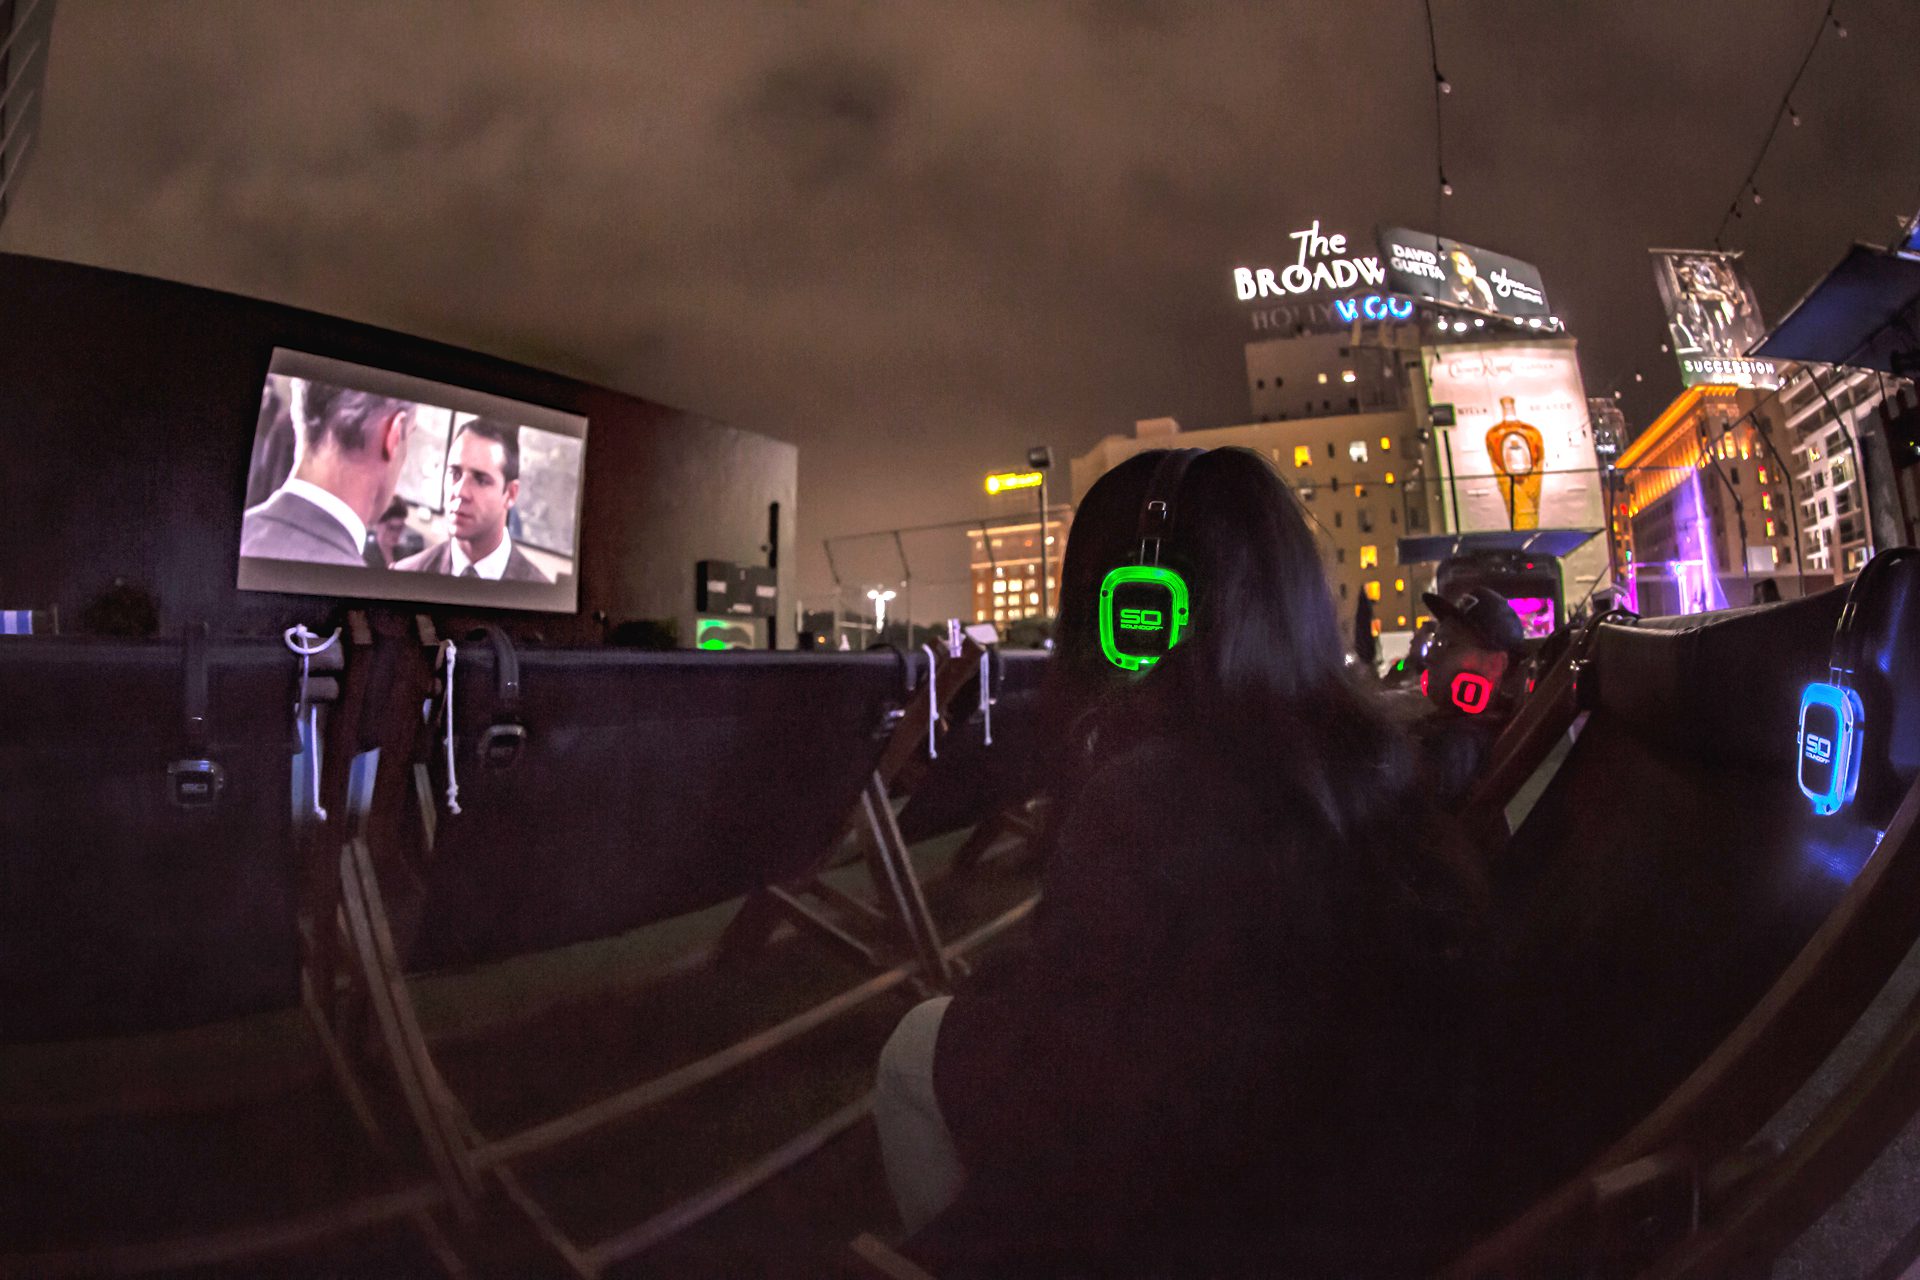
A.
x: 914, y: 239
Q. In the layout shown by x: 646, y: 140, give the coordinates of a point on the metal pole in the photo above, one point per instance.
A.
x: 1043, y: 545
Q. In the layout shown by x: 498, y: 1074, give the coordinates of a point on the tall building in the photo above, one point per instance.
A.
x: 1707, y: 499
x: 26, y: 27
x: 1828, y: 415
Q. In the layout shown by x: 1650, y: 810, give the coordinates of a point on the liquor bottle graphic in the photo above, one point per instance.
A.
x: 1517, y: 449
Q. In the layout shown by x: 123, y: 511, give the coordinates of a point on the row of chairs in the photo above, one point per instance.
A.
x: 1683, y: 942
x: 184, y: 839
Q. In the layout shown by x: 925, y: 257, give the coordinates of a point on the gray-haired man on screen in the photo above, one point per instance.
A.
x: 483, y: 483
x: 355, y: 446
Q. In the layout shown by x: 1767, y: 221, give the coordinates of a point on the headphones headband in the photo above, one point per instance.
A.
x: 1156, y: 513
x: 1848, y: 634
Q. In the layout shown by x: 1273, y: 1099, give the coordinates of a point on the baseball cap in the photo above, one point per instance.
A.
x: 1484, y: 612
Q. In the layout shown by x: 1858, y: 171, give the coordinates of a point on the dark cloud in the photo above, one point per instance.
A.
x: 915, y: 239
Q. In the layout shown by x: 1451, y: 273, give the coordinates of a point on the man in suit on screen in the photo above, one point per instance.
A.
x: 355, y: 446
x: 483, y: 483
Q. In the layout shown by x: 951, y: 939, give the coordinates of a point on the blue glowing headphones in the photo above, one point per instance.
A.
x: 1144, y: 606
x: 1832, y: 718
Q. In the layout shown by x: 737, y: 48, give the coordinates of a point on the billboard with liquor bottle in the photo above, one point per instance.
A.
x: 1520, y: 451
x: 1713, y: 318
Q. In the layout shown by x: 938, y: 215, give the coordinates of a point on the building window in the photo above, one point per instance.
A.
x: 1769, y: 528
x: 1401, y: 621
x: 1347, y: 375
x: 1365, y: 516
x: 1763, y: 475
x: 999, y: 585
x: 1766, y: 502
x: 1373, y: 590
x: 1393, y: 515
x: 1399, y: 584
x: 1339, y: 555
x: 1369, y: 556
x: 1357, y: 451
x: 1735, y: 473
x: 1337, y: 519
x: 1385, y: 444
x: 1323, y: 381
x: 1033, y: 597
x: 1329, y: 451
x: 1389, y: 477
x: 1259, y: 384
x: 1302, y: 456
x: 1343, y: 591
x: 1359, y: 491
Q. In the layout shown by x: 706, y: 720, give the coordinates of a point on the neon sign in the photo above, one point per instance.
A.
x: 1323, y: 263
x: 1374, y: 306
x: 1003, y: 481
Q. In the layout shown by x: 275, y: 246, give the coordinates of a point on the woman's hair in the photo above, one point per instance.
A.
x: 1262, y: 671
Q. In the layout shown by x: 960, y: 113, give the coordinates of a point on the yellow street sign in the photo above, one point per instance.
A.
x: 1002, y: 481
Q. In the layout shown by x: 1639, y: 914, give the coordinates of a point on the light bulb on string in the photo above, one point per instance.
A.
x: 1445, y: 85
x: 1793, y: 116
x: 1637, y: 376
x: 1446, y: 188
x: 1756, y: 195
x: 1839, y: 27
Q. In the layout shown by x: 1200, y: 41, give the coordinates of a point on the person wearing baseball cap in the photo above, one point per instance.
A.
x: 1475, y: 655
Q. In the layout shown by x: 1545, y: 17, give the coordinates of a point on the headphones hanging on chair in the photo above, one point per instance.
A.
x: 1832, y: 718
x: 1145, y: 607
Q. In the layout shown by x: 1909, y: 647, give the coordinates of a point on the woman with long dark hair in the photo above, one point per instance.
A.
x: 1239, y: 1041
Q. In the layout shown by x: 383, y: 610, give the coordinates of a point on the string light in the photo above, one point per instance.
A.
x: 1446, y: 86
x: 1446, y: 188
x: 1786, y: 110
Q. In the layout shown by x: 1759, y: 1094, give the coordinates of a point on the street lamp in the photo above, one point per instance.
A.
x: 1040, y: 458
x: 879, y: 599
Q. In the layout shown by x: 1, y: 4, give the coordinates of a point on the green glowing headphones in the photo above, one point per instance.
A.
x: 1144, y: 606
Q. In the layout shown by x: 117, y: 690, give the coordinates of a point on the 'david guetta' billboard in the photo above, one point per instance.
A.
x: 1461, y: 275
x: 1520, y: 454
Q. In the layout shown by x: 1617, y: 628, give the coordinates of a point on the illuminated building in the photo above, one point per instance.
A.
x: 1825, y: 413
x: 1701, y: 506
x: 1004, y: 560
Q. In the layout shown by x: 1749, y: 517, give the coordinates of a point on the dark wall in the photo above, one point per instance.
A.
x: 127, y: 414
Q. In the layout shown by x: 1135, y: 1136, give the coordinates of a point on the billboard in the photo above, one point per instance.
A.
x: 1520, y: 454
x: 1461, y: 275
x: 1713, y: 317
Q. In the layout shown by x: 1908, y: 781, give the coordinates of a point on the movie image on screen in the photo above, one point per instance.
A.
x: 366, y: 483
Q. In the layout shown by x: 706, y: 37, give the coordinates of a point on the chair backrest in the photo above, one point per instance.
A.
x: 121, y: 910
x: 972, y: 779
x: 1859, y: 939
x: 1668, y: 874
x: 647, y: 785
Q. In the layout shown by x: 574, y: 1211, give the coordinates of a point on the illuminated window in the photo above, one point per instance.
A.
x: 1033, y: 597
x: 981, y: 616
x: 1302, y: 456
x: 1776, y: 555
x: 1769, y: 528
x: 999, y: 571
x: 1369, y: 556
x: 1050, y: 539
x: 1763, y: 475
x: 1323, y: 379
x: 1373, y: 591
x: 1014, y: 584
x: 1746, y: 450
x: 1399, y: 584
x: 1401, y: 621
x: 979, y: 588
x: 1357, y: 451
x: 1386, y: 445
x: 1389, y: 477
x: 1359, y: 491
x: 1766, y: 502
x: 1050, y: 586
x: 999, y: 585
x: 1347, y: 375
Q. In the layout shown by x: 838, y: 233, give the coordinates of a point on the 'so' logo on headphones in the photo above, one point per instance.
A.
x: 1471, y: 692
